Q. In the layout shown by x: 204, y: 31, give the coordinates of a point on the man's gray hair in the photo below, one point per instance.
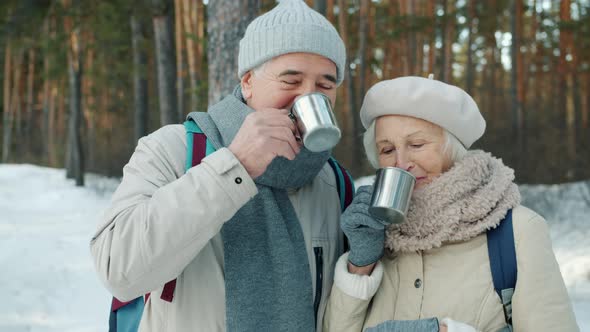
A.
x: 258, y: 69
x: 452, y: 148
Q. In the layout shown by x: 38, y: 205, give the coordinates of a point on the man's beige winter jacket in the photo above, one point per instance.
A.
x: 164, y: 224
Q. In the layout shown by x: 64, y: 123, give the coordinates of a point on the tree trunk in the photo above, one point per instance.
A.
x: 492, y: 93
x: 189, y: 15
x: 46, y: 96
x: 392, y: 58
x: 356, y: 84
x: 30, y: 95
x: 538, y: 79
x: 343, y: 31
x: 403, y: 42
x: 49, y: 97
x: 200, y: 19
x: 330, y: 10
x: 15, y: 100
x: 411, y: 42
x: 432, y: 38
x: 60, y: 104
x: 88, y: 107
x: 17, y: 95
x: 166, y: 63
x: 7, y: 114
x: 586, y: 102
x: 449, y: 39
x: 566, y: 85
x: 363, y: 25
x: 369, y: 51
x: 74, y: 155
x: 320, y: 6
x: 140, y: 83
x: 227, y: 22
x: 51, y: 124
x: 517, y: 80
x: 76, y: 165
x: 179, y: 36
x: 563, y: 72
x: 419, y: 41
x: 470, y: 70
x: 443, y: 56
x: 516, y: 72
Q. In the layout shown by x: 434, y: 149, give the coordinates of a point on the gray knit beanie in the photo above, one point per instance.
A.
x: 288, y: 28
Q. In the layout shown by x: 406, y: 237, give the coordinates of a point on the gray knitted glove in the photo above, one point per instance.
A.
x: 365, y: 234
x: 419, y: 325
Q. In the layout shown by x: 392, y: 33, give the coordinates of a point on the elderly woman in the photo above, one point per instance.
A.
x: 436, y: 265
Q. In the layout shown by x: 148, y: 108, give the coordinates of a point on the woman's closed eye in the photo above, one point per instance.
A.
x: 387, y: 150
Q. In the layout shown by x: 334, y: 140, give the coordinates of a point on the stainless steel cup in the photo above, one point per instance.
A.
x: 316, y: 122
x: 391, y: 195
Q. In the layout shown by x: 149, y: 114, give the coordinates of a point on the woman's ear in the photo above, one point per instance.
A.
x: 246, y: 83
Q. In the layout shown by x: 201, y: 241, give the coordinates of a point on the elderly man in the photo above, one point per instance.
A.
x: 251, y: 234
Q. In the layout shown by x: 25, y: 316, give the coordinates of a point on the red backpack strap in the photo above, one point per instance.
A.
x: 168, y: 291
x: 197, y: 148
x: 116, y: 304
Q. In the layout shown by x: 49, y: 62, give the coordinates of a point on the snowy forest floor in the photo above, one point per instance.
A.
x: 48, y: 280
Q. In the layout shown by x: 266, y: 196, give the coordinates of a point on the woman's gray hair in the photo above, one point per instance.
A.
x: 452, y: 148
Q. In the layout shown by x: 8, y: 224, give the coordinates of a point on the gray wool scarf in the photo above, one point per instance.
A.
x: 268, y: 283
x: 467, y: 200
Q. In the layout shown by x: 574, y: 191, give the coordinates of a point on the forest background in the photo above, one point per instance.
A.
x: 83, y: 80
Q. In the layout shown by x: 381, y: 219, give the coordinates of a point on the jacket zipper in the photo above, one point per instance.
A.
x: 319, y: 277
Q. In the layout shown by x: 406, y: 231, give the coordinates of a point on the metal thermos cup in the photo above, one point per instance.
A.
x: 316, y: 122
x: 391, y: 195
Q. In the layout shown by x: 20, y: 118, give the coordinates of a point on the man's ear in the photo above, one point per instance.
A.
x: 246, y: 83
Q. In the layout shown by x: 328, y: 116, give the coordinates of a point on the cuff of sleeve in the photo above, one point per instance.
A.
x: 233, y: 177
x: 454, y: 326
x: 358, y: 286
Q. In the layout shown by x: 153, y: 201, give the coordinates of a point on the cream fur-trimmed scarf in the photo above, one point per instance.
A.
x: 467, y: 200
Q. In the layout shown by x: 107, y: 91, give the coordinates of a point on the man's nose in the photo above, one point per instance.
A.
x: 303, y: 89
x: 308, y: 87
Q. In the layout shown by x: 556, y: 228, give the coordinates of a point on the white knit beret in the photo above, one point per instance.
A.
x: 442, y: 104
x: 290, y: 27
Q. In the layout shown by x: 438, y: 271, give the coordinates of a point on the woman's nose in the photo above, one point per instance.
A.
x: 404, y: 166
x: 402, y: 161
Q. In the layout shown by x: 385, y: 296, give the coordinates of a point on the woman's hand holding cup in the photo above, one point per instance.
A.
x: 365, y: 234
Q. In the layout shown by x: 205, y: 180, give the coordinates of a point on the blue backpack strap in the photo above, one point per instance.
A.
x: 345, y: 188
x: 125, y: 316
x: 344, y: 183
x: 502, y: 254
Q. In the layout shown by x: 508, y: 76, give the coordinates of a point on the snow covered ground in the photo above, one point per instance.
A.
x: 48, y: 283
